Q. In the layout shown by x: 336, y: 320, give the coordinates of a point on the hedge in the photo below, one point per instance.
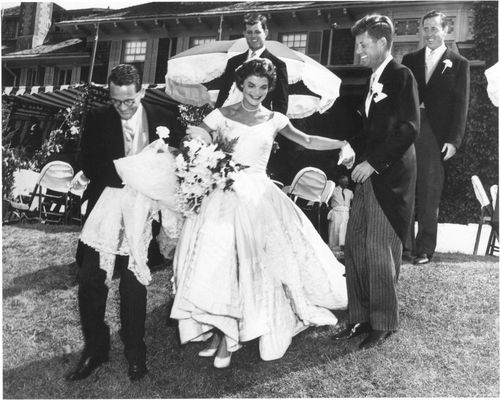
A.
x: 478, y: 154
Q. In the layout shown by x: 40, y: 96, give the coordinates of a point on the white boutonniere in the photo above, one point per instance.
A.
x: 447, y: 64
x: 378, y: 94
x: 163, y: 132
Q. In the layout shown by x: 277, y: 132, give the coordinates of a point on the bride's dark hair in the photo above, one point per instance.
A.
x: 261, y: 67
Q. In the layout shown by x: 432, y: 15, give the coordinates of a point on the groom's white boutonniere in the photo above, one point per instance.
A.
x: 163, y: 132
x: 378, y: 94
x: 447, y: 64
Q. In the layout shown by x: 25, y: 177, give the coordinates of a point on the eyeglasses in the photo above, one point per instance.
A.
x: 128, y: 102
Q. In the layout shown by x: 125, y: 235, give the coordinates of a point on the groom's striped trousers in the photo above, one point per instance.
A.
x: 373, y: 253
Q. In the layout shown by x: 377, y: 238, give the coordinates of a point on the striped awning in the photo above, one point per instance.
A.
x: 66, y: 95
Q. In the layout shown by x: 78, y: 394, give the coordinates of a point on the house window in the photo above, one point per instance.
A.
x: 135, y: 51
x: 406, y: 27
x: 195, y: 41
x: 9, y: 29
x: 34, y: 76
x: 296, y: 41
x: 64, y: 76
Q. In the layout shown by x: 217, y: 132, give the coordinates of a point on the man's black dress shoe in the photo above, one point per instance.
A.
x: 353, y: 330
x: 422, y: 259
x: 137, y: 371
x: 85, y: 366
x: 374, y: 339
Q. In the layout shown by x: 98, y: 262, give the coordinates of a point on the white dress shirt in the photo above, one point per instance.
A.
x: 374, y: 79
x: 135, y: 132
x: 432, y: 58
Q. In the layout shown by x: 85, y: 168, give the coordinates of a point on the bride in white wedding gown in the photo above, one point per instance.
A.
x: 250, y: 264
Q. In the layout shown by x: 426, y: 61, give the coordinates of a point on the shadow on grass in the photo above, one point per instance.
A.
x: 47, y: 228
x: 175, y: 371
x: 55, y: 277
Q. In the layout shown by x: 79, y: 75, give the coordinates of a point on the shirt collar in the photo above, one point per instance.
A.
x: 439, y: 51
x: 258, y: 52
x: 380, y: 69
x: 134, y: 121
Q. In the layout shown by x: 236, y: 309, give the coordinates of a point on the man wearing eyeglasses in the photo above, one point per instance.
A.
x: 121, y: 129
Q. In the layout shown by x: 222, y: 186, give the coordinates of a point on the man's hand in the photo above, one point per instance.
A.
x: 347, y: 156
x: 450, y: 150
x: 362, y: 172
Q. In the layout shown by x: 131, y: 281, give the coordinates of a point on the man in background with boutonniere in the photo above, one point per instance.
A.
x: 443, y: 85
x: 385, y: 186
x: 122, y: 129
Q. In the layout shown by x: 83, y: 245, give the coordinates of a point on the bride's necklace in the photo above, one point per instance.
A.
x: 249, y: 109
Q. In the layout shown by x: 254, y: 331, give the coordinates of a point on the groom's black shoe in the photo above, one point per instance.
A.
x: 353, y: 330
x: 85, y: 366
x: 137, y: 371
x: 375, y: 338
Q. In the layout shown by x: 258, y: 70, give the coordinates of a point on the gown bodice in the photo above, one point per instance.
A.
x: 254, y: 144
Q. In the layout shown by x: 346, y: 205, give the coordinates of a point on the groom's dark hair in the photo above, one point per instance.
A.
x: 124, y: 75
x: 377, y: 26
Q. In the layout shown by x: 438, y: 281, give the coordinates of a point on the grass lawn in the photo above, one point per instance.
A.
x: 447, y: 346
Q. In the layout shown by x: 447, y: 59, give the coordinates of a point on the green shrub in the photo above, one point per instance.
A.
x: 478, y: 154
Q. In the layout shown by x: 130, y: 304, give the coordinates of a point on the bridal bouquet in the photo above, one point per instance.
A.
x: 201, y: 168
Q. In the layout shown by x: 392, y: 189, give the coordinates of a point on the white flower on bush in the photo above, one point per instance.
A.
x: 163, y: 132
x: 74, y: 130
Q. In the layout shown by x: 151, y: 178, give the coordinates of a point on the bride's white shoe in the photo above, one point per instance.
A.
x: 222, y: 362
x: 211, y: 350
x: 222, y: 357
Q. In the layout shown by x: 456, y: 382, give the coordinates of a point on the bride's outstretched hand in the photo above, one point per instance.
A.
x: 347, y: 156
x: 196, y: 131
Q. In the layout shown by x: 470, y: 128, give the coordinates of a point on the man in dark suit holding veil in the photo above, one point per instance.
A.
x: 122, y: 129
x: 385, y: 186
x: 443, y: 86
x: 255, y: 33
x: 277, y: 100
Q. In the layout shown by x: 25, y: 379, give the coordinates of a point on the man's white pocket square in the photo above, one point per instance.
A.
x: 379, y: 97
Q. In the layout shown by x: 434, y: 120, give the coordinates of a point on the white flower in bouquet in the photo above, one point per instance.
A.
x: 203, y: 168
x: 163, y: 132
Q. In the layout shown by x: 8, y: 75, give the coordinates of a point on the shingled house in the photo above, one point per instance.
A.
x: 47, y: 51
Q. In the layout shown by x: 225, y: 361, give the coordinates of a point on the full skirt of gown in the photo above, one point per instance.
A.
x: 252, y: 265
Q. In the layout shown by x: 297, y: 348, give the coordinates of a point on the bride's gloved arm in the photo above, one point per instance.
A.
x: 311, y: 142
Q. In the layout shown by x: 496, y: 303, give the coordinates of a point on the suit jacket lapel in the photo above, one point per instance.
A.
x: 151, y: 121
x: 438, y: 71
x: 420, y: 67
x: 116, y: 134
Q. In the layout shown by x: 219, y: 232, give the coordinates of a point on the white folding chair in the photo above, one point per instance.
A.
x: 494, y: 194
x: 485, y: 217
x: 327, y: 192
x: 309, y: 184
x: 52, y: 191
x: 77, y: 208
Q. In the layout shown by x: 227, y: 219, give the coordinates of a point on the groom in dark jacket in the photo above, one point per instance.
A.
x: 121, y: 129
x: 385, y: 186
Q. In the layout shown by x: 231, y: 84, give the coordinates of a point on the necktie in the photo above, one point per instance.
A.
x: 428, y: 66
x: 343, y: 195
x: 128, y: 133
x: 370, y: 94
x: 253, y: 54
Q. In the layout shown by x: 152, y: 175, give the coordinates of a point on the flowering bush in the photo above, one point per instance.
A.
x: 202, y: 168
